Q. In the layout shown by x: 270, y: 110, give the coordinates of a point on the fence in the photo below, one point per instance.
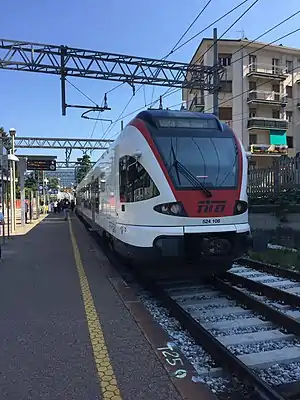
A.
x: 284, y: 174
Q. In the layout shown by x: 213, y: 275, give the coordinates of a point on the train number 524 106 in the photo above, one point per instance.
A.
x: 211, y: 221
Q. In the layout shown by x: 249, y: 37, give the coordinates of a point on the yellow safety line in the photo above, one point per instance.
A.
x: 107, y: 379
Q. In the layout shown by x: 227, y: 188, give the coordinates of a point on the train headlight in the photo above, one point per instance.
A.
x: 240, y: 207
x: 175, y: 209
x: 164, y: 208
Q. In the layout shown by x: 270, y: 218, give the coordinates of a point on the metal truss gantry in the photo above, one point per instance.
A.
x: 68, y: 61
x: 59, y: 143
x: 70, y: 164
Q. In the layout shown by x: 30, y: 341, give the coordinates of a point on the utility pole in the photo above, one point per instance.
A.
x: 216, y: 76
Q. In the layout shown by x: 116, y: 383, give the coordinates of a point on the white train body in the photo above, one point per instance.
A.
x: 128, y: 194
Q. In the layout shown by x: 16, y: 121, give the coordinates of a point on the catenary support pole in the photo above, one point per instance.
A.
x: 22, y: 169
x: 216, y: 76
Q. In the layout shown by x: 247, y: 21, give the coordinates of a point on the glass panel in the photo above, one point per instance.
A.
x: 213, y: 160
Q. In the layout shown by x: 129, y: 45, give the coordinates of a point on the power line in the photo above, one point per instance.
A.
x: 168, y: 90
x: 166, y: 56
x: 80, y: 91
x: 265, y: 33
x: 212, y: 24
x: 188, y: 29
x: 172, y: 50
x: 245, y: 12
x: 227, y: 30
x: 183, y: 35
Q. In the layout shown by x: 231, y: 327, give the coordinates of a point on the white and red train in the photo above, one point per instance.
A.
x: 171, y: 190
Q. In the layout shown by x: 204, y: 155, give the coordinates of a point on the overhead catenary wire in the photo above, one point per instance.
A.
x: 165, y: 57
x: 209, y: 26
x: 183, y: 35
x: 227, y: 30
x: 80, y: 91
x: 168, y: 90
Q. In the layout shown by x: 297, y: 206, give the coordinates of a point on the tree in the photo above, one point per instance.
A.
x: 5, y: 137
x: 53, y: 182
x: 83, y: 168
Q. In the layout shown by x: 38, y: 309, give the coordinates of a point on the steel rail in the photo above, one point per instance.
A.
x: 274, y: 315
x: 223, y: 356
x: 270, y: 291
x: 273, y: 269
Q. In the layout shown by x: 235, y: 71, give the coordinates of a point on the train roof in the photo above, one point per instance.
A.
x: 153, y: 114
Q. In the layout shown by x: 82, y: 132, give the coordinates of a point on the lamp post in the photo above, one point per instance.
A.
x: 12, y: 133
x: 12, y: 159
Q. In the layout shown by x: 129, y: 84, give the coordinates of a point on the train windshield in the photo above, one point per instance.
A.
x: 210, y: 155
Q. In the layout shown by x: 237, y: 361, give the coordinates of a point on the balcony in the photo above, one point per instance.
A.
x: 275, y: 72
x: 268, y: 149
x: 267, y: 97
x: 267, y: 123
x: 197, y: 104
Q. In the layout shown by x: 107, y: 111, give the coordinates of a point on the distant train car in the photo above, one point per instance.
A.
x: 171, y: 190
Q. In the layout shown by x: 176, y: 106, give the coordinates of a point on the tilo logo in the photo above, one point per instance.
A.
x: 209, y: 206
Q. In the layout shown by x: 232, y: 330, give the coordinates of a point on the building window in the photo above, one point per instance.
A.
x: 135, y: 182
x: 275, y: 65
x: 252, y: 113
x: 290, y: 142
x: 289, y: 116
x: 226, y: 86
x: 289, y: 91
x: 252, y: 139
x: 225, y: 113
x: 225, y: 59
x: 252, y: 63
x: 276, y: 114
x: 289, y: 65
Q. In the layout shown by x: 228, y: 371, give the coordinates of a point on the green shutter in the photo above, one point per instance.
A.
x: 278, y: 137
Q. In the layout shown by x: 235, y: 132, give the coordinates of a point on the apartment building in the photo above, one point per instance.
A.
x: 259, y: 97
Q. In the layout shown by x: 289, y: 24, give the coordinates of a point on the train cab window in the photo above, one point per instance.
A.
x: 135, y: 182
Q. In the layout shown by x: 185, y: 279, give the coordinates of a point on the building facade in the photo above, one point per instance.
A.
x: 259, y: 96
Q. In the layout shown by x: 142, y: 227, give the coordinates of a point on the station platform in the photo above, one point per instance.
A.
x: 72, y: 329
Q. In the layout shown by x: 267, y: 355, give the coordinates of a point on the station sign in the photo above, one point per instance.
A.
x: 41, y: 165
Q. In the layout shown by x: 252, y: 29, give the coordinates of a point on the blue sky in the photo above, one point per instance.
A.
x: 31, y: 102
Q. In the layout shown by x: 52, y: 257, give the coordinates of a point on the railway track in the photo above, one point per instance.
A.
x: 246, y: 323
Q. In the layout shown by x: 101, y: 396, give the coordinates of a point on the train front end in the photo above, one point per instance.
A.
x: 204, y: 190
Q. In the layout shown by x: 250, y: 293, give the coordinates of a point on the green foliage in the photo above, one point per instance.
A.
x: 31, y: 183
x: 83, y: 168
x: 6, y: 138
x: 284, y: 198
x: 283, y: 257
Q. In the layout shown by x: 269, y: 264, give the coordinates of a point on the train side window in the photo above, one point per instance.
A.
x: 95, y: 189
x: 135, y: 182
